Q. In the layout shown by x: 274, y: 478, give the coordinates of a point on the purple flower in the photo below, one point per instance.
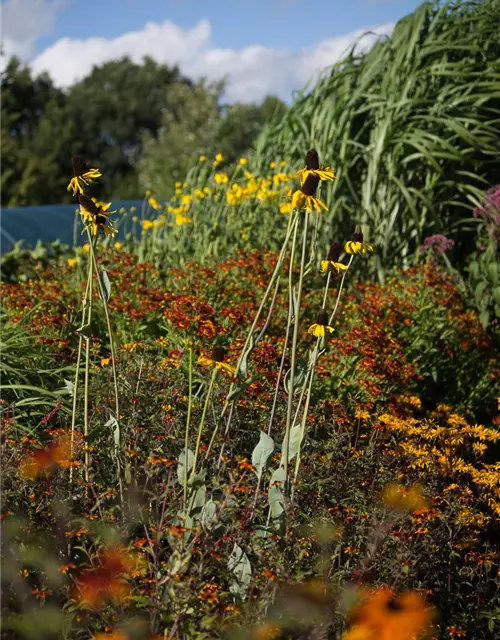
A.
x: 437, y: 243
x: 489, y: 211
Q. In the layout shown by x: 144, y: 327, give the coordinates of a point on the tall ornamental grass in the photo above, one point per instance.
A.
x: 414, y: 125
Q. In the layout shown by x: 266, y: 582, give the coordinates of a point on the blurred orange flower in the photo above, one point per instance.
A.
x: 44, y: 461
x: 385, y: 616
x: 108, y: 580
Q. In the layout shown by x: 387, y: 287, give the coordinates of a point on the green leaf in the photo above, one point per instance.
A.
x: 185, y: 464
x: 484, y: 317
x: 239, y: 564
x: 106, y: 285
x: 113, y: 422
x: 493, y: 272
x: 300, y: 372
x: 263, y: 450
x: 69, y: 386
x: 294, y: 442
x: 275, y: 495
x: 208, y: 513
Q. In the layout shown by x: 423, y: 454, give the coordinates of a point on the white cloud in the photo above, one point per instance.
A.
x: 252, y: 72
x: 24, y: 21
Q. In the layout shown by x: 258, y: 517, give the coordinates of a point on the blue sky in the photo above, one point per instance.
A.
x: 261, y: 46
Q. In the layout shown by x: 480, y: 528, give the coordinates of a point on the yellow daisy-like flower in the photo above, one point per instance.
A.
x: 219, y: 158
x: 83, y: 175
x: 313, y: 167
x: 334, y: 267
x: 286, y: 207
x: 243, y: 161
x: 356, y: 244
x: 321, y: 327
x: 96, y: 218
x: 153, y: 202
x: 181, y: 219
x: 332, y: 262
x: 203, y: 158
x: 305, y: 197
x: 217, y: 361
x: 221, y: 178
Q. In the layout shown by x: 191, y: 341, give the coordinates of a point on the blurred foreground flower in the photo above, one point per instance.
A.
x: 404, y: 498
x: 45, y: 461
x: 83, y: 175
x: 108, y: 581
x: 385, y: 616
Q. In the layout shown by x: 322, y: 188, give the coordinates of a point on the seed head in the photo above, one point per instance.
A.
x: 79, y: 166
x: 310, y: 185
x: 335, y: 251
x: 218, y: 354
x: 312, y: 159
x: 88, y: 205
x: 322, y: 318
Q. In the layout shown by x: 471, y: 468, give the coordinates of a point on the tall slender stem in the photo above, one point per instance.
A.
x: 286, y: 442
x: 202, y: 421
x: 188, y: 419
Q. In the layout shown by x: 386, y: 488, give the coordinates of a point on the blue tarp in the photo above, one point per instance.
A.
x: 47, y: 223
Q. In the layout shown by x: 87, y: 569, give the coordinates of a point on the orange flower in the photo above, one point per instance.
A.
x: 108, y: 581
x: 383, y: 616
x: 266, y: 631
x: 44, y: 461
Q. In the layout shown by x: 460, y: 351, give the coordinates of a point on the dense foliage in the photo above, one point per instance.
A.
x: 223, y: 424
x: 413, y: 127
x: 107, y: 115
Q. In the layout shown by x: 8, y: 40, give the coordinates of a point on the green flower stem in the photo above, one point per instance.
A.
x: 188, y: 420
x: 202, y: 421
x: 304, y: 415
x: 75, y: 384
x: 110, y: 332
x: 88, y: 320
x: 340, y: 290
x: 286, y: 441
x: 102, y: 294
x: 280, y: 371
x: 291, y: 225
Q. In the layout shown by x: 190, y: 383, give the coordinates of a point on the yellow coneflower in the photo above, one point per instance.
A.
x: 96, y: 217
x: 219, y: 158
x: 181, y: 219
x: 83, y: 175
x: 321, y: 326
x: 221, y: 178
x: 217, y: 361
x: 356, y: 244
x: 332, y: 262
x: 312, y: 167
x: 153, y: 202
x: 305, y: 197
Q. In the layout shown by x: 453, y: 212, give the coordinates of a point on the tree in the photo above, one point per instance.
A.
x: 189, y: 129
x: 195, y: 123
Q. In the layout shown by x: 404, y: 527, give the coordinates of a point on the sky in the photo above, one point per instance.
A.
x: 261, y: 47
